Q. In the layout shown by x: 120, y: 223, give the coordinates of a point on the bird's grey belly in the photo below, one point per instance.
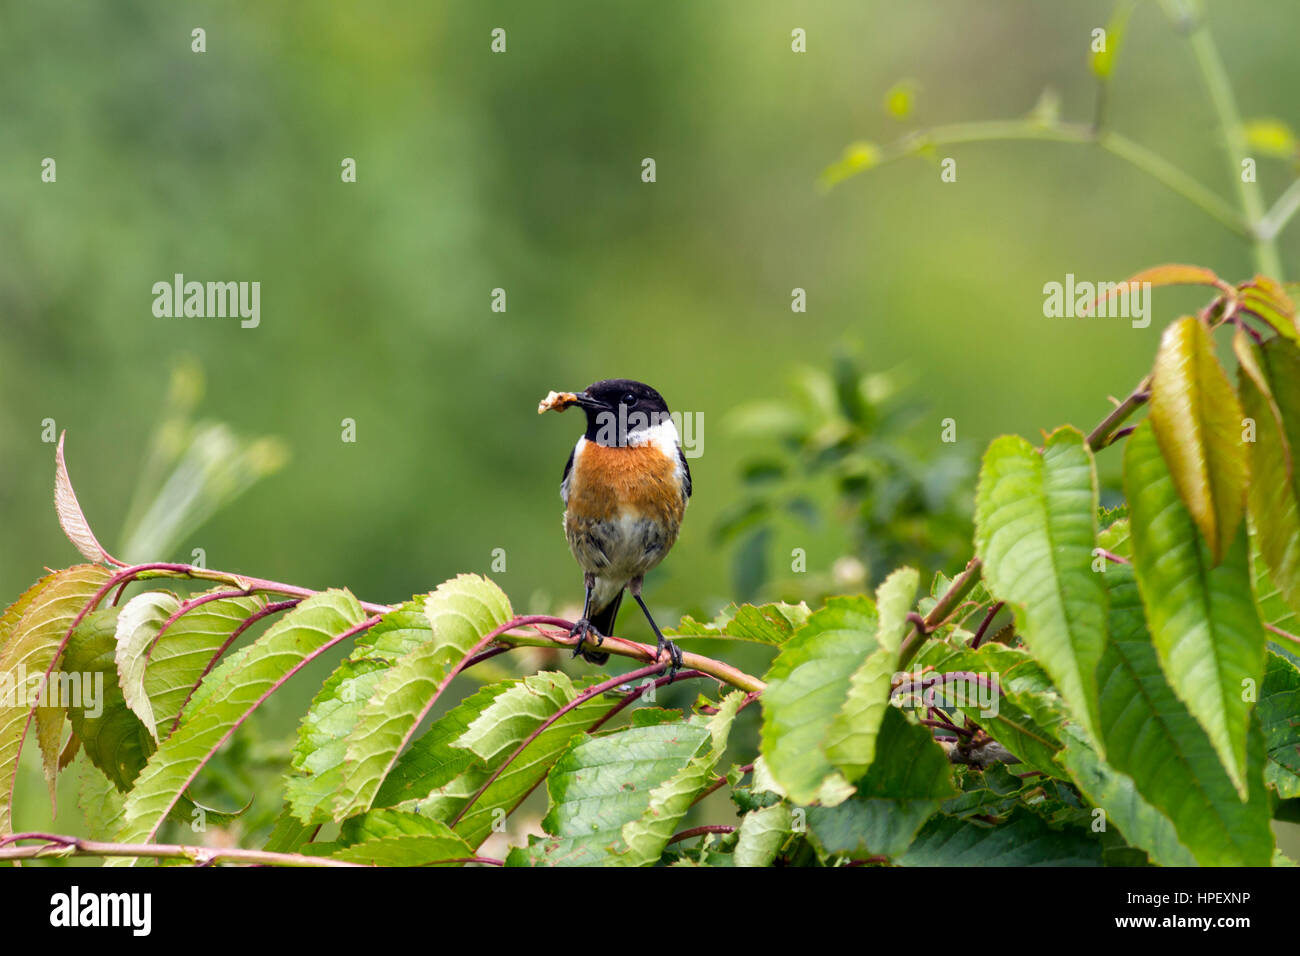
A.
x: 616, y: 550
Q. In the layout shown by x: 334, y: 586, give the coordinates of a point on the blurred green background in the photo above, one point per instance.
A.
x: 522, y: 171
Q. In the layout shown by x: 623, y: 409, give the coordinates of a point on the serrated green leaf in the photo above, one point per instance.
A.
x: 460, y: 612
x: 35, y: 625
x: 1279, y: 714
x: 1196, y: 419
x: 907, y: 782
x: 399, y: 632
x: 322, y: 738
x: 771, y: 624
x: 850, y: 742
x: 1269, y: 300
x: 99, y: 800
x: 187, y: 648
x: 496, y: 732
x: 1035, y: 529
x: 431, y: 762
x: 397, y: 838
x: 1153, y: 739
x: 604, y: 782
x: 314, y: 626
x: 1114, y: 793
x: 1202, y: 618
x: 288, y: 835
x: 807, y: 685
x: 646, y: 837
x: 1272, y: 606
x: 1024, y: 840
x: 138, y: 624
x: 113, y: 738
x: 499, y: 732
x: 1115, y: 539
x: 230, y: 663
x: 762, y: 834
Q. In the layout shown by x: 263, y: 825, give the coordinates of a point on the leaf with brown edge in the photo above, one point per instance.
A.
x: 1268, y: 300
x: 1172, y: 274
x: 71, y: 518
x: 1197, y: 423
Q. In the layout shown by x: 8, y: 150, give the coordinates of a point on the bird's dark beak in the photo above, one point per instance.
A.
x: 585, y: 400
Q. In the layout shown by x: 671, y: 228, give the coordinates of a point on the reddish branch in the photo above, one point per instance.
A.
x: 699, y: 831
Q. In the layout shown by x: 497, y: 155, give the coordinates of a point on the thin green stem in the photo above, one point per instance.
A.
x: 961, y: 585
x: 1097, y: 438
x: 1219, y: 87
x: 1136, y: 155
x: 1174, y: 178
x: 1280, y: 214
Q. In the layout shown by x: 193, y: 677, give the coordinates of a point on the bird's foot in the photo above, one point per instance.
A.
x: 674, y: 657
x: 585, y: 634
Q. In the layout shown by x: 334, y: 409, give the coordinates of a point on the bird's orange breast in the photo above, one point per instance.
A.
x: 610, y: 481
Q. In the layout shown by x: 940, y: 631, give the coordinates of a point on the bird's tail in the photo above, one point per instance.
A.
x: 603, y: 622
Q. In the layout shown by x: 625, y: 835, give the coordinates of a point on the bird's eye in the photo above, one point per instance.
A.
x: 629, y: 399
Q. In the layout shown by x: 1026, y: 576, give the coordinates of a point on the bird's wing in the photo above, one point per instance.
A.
x: 564, y: 481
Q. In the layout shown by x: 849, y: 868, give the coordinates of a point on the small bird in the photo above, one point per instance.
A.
x: 625, y: 488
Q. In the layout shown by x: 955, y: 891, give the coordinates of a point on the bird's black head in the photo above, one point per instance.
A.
x: 618, y: 408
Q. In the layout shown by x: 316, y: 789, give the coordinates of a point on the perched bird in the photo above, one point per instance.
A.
x: 625, y: 489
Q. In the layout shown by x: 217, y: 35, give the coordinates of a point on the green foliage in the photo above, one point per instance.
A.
x: 115, y: 740
x: 1203, y: 621
x: 460, y: 612
x: 851, y: 436
x: 615, y: 798
x: 309, y: 629
x: 32, y: 634
x: 1270, y: 391
x: 901, y: 790
x: 1279, y: 703
x: 1153, y: 738
x: 767, y: 624
x: 1094, y: 688
x: 808, y: 687
x: 1197, y: 421
x: 1025, y: 839
x: 1035, y: 528
x: 1135, y: 709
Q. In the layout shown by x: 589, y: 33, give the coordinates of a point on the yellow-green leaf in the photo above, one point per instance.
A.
x: 1197, y: 422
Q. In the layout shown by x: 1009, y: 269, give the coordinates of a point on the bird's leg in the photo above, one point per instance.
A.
x: 583, y: 627
x: 674, y: 652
